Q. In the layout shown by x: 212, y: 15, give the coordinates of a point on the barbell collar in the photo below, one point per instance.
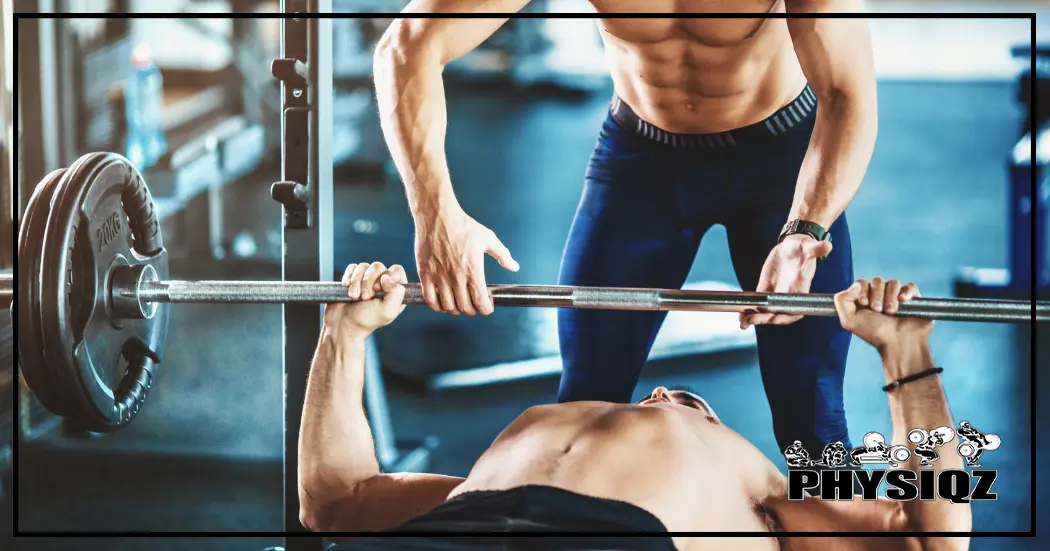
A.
x: 126, y: 299
x: 602, y: 298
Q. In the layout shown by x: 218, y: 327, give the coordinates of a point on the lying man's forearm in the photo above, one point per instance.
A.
x: 336, y: 451
x: 922, y: 404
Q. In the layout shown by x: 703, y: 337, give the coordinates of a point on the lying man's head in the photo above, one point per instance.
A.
x: 680, y: 395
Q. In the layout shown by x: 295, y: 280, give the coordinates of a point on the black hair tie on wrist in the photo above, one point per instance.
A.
x: 910, y: 378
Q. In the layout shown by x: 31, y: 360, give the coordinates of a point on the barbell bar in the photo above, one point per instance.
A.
x: 146, y: 290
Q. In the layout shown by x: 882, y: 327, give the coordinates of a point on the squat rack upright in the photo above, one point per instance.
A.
x: 305, y: 193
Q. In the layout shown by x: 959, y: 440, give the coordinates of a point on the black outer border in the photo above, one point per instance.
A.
x: 882, y: 15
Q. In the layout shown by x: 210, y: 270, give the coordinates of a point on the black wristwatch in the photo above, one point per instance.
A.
x: 812, y: 229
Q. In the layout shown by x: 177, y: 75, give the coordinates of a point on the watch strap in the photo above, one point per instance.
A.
x: 812, y: 229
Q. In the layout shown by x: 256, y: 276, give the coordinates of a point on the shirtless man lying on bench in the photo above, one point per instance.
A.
x: 664, y: 464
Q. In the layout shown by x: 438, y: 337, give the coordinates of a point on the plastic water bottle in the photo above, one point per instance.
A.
x: 144, y: 111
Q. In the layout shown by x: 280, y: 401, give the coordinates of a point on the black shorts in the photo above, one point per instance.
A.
x: 478, y: 521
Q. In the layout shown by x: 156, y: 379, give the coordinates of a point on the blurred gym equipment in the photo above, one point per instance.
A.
x: 1029, y: 198
x: 214, y: 121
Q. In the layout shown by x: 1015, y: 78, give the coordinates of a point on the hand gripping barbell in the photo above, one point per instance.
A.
x: 93, y: 294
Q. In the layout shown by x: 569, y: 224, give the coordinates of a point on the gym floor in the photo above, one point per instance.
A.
x: 205, y: 452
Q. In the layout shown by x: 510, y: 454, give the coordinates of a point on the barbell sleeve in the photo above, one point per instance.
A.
x: 7, y: 289
x: 605, y: 298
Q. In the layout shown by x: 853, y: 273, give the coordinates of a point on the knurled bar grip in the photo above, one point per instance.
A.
x: 604, y: 298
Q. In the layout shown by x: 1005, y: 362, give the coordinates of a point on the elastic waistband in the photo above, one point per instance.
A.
x: 780, y: 122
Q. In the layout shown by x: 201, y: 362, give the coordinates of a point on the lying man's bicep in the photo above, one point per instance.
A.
x: 881, y: 515
x: 387, y: 501
x: 884, y: 515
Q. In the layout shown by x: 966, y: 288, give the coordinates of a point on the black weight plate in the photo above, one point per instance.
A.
x: 102, y: 218
x: 30, y: 345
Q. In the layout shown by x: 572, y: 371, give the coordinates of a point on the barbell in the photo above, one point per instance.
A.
x: 140, y: 291
x: 93, y: 294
